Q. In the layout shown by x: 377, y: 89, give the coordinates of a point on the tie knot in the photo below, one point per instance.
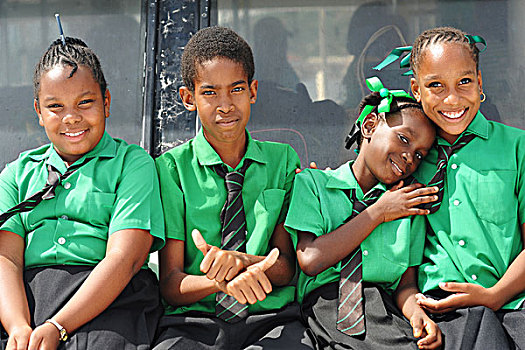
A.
x: 234, y: 181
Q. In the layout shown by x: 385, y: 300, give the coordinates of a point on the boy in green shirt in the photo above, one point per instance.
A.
x: 223, y: 287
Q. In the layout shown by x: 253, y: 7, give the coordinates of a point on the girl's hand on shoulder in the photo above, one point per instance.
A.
x: 399, y: 201
x: 44, y: 337
x: 425, y: 329
x: 19, y: 338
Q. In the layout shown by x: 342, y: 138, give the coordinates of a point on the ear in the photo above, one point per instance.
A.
x: 416, y: 91
x: 107, y: 103
x: 480, y: 81
x: 369, y: 125
x: 253, y: 91
x: 37, y: 110
x: 188, y: 100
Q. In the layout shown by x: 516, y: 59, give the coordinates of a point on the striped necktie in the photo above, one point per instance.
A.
x: 233, y: 222
x: 444, y: 153
x: 48, y: 192
x: 350, y: 311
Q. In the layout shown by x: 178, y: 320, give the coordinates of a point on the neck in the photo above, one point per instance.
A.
x: 230, y: 153
x: 364, y: 177
x: 448, y: 137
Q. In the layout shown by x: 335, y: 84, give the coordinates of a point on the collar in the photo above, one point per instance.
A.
x: 207, y: 156
x: 343, y: 178
x: 479, y: 126
x: 105, y: 148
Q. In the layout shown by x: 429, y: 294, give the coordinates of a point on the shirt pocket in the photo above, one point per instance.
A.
x: 495, y: 195
x: 266, y: 211
x: 99, y: 207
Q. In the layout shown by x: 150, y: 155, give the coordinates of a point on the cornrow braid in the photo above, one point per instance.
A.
x: 73, y: 54
x: 398, y: 104
x: 441, y: 35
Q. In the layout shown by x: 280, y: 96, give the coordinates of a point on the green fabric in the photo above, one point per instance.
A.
x: 320, y: 206
x: 193, y: 196
x: 115, y: 189
x: 477, y: 229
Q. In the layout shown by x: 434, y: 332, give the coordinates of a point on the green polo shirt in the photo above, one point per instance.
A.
x: 193, y: 196
x: 319, y: 205
x: 116, y: 188
x: 477, y: 230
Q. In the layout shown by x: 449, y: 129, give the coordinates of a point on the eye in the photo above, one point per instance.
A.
x: 434, y: 84
x: 53, y: 105
x: 465, y: 81
x: 238, y: 89
x: 208, y: 92
x: 86, y: 101
x: 403, y: 139
x: 419, y: 156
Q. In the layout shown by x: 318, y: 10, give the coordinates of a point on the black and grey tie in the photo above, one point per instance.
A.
x: 350, y: 311
x: 233, y: 222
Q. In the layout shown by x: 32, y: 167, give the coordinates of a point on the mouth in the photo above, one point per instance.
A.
x: 397, y: 168
x: 74, y: 135
x: 454, y: 115
x: 227, y: 122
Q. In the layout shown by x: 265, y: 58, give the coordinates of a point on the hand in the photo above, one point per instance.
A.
x: 44, y: 337
x: 252, y: 284
x: 424, y: 328
x: 401, y: 201
x: 19, y: 338
x: 219, y: 265
x: 313, y: 165
x: 465, y: 295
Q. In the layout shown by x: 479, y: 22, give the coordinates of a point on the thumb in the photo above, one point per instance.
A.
x: 398, y: 186
x: 417, y: 327
x: 269, y: 260
x: 199, y: 241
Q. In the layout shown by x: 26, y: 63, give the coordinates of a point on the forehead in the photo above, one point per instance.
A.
x: 443, y: 58
x: 219, y: 71
x: 411, y: 119
x: 59, y: 79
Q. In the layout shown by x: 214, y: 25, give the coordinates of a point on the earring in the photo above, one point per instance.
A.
x: 483, y: 97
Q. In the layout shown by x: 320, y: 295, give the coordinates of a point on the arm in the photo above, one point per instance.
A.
x: 394, y: 204
x: 14, y: 311
x: 423, y: 327
x: 469, y: 294
x: 126, y: 252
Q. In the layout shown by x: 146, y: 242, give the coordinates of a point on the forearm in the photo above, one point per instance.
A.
x: 14, y: 311
x: 511, y: 284
x: 183, y: 289
x: 405, y: 294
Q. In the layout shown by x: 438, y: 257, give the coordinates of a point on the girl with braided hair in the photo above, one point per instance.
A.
x: 73, y: 256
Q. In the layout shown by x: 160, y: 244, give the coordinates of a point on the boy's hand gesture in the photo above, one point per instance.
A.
x: 219, y: 265
x: 400, y: 201
x: 423, y: 327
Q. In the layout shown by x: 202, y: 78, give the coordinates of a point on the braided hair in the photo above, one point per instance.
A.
x: 374, y: 99
x: 213, y: 42
x: 74, y: 53
x: 441, y: 35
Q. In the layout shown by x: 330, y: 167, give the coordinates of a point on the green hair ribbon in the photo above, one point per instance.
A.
x: 396, y: 53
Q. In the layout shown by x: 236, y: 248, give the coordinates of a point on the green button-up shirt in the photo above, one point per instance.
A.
x: 193, y: 195
x: 319, y: 205
x: 477, y: 230
x: 116, y: 188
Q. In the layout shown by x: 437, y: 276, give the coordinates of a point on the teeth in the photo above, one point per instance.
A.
x: 397, y: 167
x: 74, y: 133
x: 453, y: 115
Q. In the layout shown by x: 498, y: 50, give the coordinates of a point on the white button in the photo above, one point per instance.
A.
x: 61, y: 240
x: 474, y: 277
x: 64, y: 217
x: 365, y: 252
x: 456, y: 202
x: 67, y: 185
x: 461, y: 242
x: 454, y: 166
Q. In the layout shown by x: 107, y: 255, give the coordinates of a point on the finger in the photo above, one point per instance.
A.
x: 248, y: 291
x: 259, y: 292
x: 455, y: 287
x: 214, y: 269
x: 412, y: 187
x: 199, y: 241
x: 421, y: 199
x: 235, y: 292
x: 264, y: 282
x: 313, y: 165
x: 417, y: 326
x: 208, y: 260
x: 417, y: 211
x: 233, y: 271
x: 221, y: 274
x: 269, y: 260
x: 298, y: 170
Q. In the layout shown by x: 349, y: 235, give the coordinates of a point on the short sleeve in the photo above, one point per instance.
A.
x: 137, y: 203
x: 520, y: 158
x: 293, y: 163
x: 417, y: 239
x: 304, y: 213
x: 9, y: 194
x: 172, y: 197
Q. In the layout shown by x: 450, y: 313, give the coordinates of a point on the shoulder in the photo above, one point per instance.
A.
x: 132, y: 153
x: 274, y: 151
x: 29, y: 159
x: 314, y: 177
x: 177, y: 154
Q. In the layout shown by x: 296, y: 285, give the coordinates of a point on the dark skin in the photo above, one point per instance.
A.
x: 390, y: 151
x: 222, y: 98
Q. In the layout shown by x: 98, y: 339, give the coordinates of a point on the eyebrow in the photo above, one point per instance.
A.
x: 235, y: 83
x: 52, y: 98
x: 437, y: 77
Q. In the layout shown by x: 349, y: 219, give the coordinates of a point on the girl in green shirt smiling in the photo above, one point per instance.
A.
x: 393, y: 136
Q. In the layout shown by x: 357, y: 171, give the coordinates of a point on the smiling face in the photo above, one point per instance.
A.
x: 392, y: 149
x: 448, y: 85
x: 223, y: 99
x: 72, y: 110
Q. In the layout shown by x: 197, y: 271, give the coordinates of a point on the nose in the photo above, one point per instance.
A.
x: 408, y: 157
x: 71, y: 116
x: 225, y: 105
x: 452, y: 98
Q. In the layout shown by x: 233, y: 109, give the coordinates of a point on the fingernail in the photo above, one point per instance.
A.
x: 442, y: 284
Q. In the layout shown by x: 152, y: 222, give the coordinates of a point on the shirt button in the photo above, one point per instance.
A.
x: 474, y: 277
x: 64, y: 217
x: 67, y: 185
x: 454, y: 166
x: 365, y: 252
x: 61, y: 240
x: 456, y: 202
x: 461, y: 242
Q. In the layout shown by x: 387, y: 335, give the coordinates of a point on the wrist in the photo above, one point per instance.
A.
x: 376, y: 214
x: 62, y: 332
x: 494, y: 298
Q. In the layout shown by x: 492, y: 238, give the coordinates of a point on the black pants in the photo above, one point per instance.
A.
x: 279, y: 329
x: 386, y: 327
x: 128, y: 323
